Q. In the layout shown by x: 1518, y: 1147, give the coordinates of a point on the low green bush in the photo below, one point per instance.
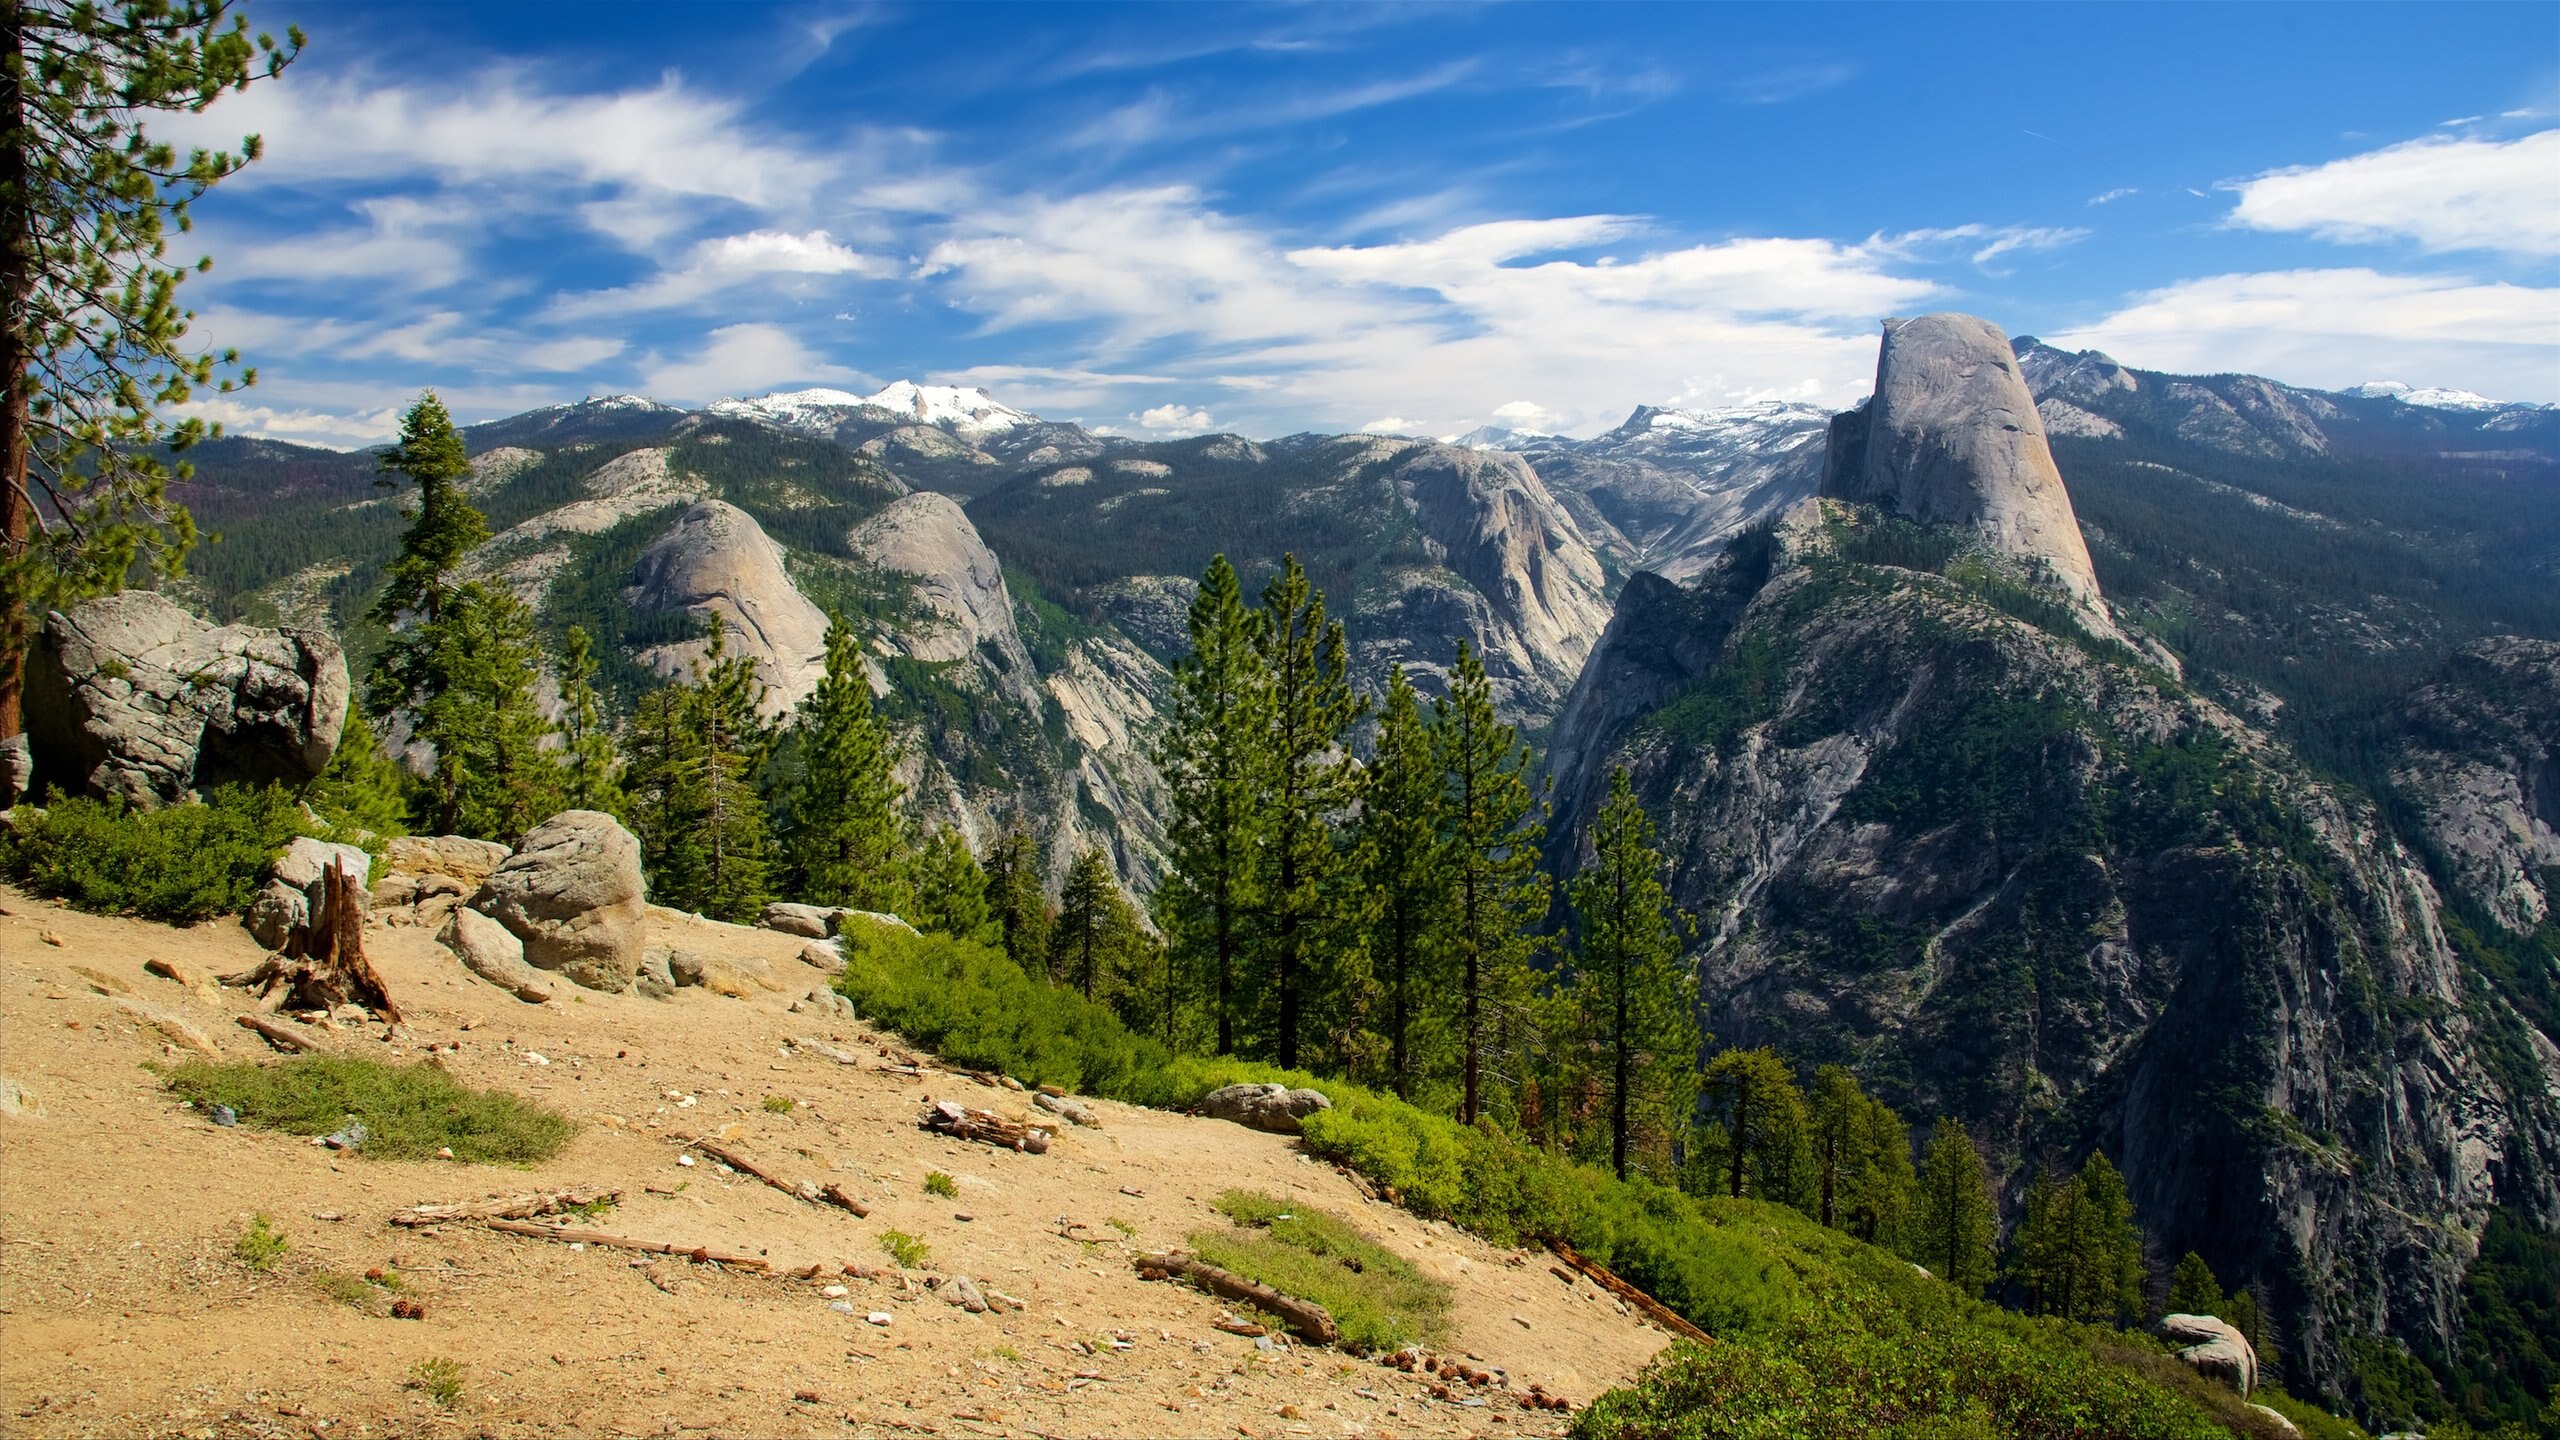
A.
x: 1378, y: 1300
x: 1816, y: 1331
x: 179, y: 863
x: 408, y: 1111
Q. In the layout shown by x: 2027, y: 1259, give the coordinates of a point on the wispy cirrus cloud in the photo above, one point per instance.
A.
x: 722, y: 263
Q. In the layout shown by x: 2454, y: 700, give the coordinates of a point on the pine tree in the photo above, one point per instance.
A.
x: 1302, y: 943
x: 951, y: 891
x: 1214, y: 761
x: 1018, y: 895
x: 93, y: 340
x: 847, y: 845
x: 1637, y: 999
x: 460, y: 666
x: 362, y: 791
x: 1491, y: 827
x: 725, y: 710
x: 2077, y: 1251
x: 1952, y: 1222
x: 1754, y: 1144
x: 1404, y: 867
x: 1877, y: 1206
x: 1081, y: 942
x: 2193, y: 1290
x: 696, y: 747
x: 591, y: 768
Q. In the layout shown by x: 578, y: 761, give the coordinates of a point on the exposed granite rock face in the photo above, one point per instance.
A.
x: 2061, y: 897
x: 131, y: 696
x: 1952, y: 437
x: 574, y: 894
x: 2482, y: 759
x: 1667, y: 488
x: 926, y: 539
x: 2214, y: 1347
x: 717, y: 562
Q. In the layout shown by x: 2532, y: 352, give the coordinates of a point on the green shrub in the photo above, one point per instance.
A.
x: 440, y: 1378
x: 261, y: 1245
x: 1378, y: 1300
x: 907, y: 1250
x: 179, y: 863
x: 940, y: 1184
x: 408, y: 1111
x: 1816, y: 1330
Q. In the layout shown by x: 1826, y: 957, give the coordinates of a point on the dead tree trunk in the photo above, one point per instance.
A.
x: 323, y: 965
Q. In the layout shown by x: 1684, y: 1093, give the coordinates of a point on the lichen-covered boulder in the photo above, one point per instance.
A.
x: 1275, y: 1108
x: 574, y: 894
x: 2215, y: 1347
x: 129, y: 695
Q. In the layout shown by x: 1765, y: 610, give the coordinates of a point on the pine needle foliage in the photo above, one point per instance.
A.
x: 1214, y: 760
x: 1403, y: 867
x: 951, y: 890
x: 1754, y: 1143
x: 697, y: 746
x: 1492, y: 823
x: 93, y: 338
x: 1302, y: 932
x: 1636, y: 999
x: 1953, y: 1224
x: 847, y: 842
x: 2078, y: 1252
x: 1018, y: 898
x: 590, y: 762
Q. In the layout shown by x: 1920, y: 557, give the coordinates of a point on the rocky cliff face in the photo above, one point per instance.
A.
x: 2012, y: 875
x: 715, y: 563
x: 1952, y: 437
x: 2482, y: 761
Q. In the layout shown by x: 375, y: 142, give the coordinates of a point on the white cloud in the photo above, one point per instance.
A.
x: 2443, y: 194
x: 407, y: 238
x: 738, y: 359
x: 2340, y: 327
x: 1173, y: 419
x: 1982, y: 243
x: 306, y: 427
x: 718, y: 264
x: 2112, y: 196
x: 1389, y: 425
x: 1322, y: 335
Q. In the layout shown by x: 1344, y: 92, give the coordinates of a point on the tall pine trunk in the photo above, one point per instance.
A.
x: 17, y: 358
x: 1622, y: 1042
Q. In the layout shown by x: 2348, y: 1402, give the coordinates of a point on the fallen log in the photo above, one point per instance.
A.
x: 283, y: 1037
x: 510, y: 1207
x: 835, y: 1194
x: 570, y: 1234
x: 950, y: 1117
x: 1311, y: 1321
x: 1652, y: 1309
x: 745, y: 1164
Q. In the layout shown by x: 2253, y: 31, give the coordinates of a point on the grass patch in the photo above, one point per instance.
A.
x: 1376, y: 1297
x: 940, y: 1184
x: 1127, y: 1230
x: 345, y: 1289
x: 778, y: 1104
x: 907, y: 1250
x: 409, y: 1110
x: 261, y: 1245
x: 440, y: 1379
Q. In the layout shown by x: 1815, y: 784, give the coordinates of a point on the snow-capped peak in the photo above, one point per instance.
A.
x: 2433, y: 397
x: 970, y: 413
x: 1497, y: 437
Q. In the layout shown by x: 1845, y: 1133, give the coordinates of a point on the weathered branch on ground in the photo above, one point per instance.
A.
x: 1652, y: 1309
x: 1311, y: 1321
x: 810, y: 1191
x: 283, y: 1037
x: 950, y: 1117
x: 574, y: 1235
x: 509, y: 1207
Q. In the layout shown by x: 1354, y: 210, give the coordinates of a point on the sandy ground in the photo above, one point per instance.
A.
x: 123, y: 1311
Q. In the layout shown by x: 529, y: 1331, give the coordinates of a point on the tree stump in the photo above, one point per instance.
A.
x: 324, y: 966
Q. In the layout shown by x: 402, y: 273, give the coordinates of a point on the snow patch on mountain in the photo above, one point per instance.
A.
x: 2432, y: 397
x: 969, y: 413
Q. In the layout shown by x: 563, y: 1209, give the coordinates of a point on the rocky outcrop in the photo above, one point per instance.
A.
x: 1490, y: 520
x: 1275, y: 1108
x: 573, y: 894
x: 956, y: 583
x: 131, y: 696
x: 1666, y: 489
x: 817, y: 922
x: 2482, y: 760
x: 2214, y: 1347
x: 716, y: 563
x: 2067, y: 900
x: 1952, y: 437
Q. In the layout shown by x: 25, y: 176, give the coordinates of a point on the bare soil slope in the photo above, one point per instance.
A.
x: 124, y: 1312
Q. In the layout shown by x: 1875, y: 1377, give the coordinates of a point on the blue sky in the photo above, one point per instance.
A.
x: 1169, y: 218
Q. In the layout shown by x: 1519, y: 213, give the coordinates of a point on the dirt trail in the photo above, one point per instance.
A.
x: 123, y: 1312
